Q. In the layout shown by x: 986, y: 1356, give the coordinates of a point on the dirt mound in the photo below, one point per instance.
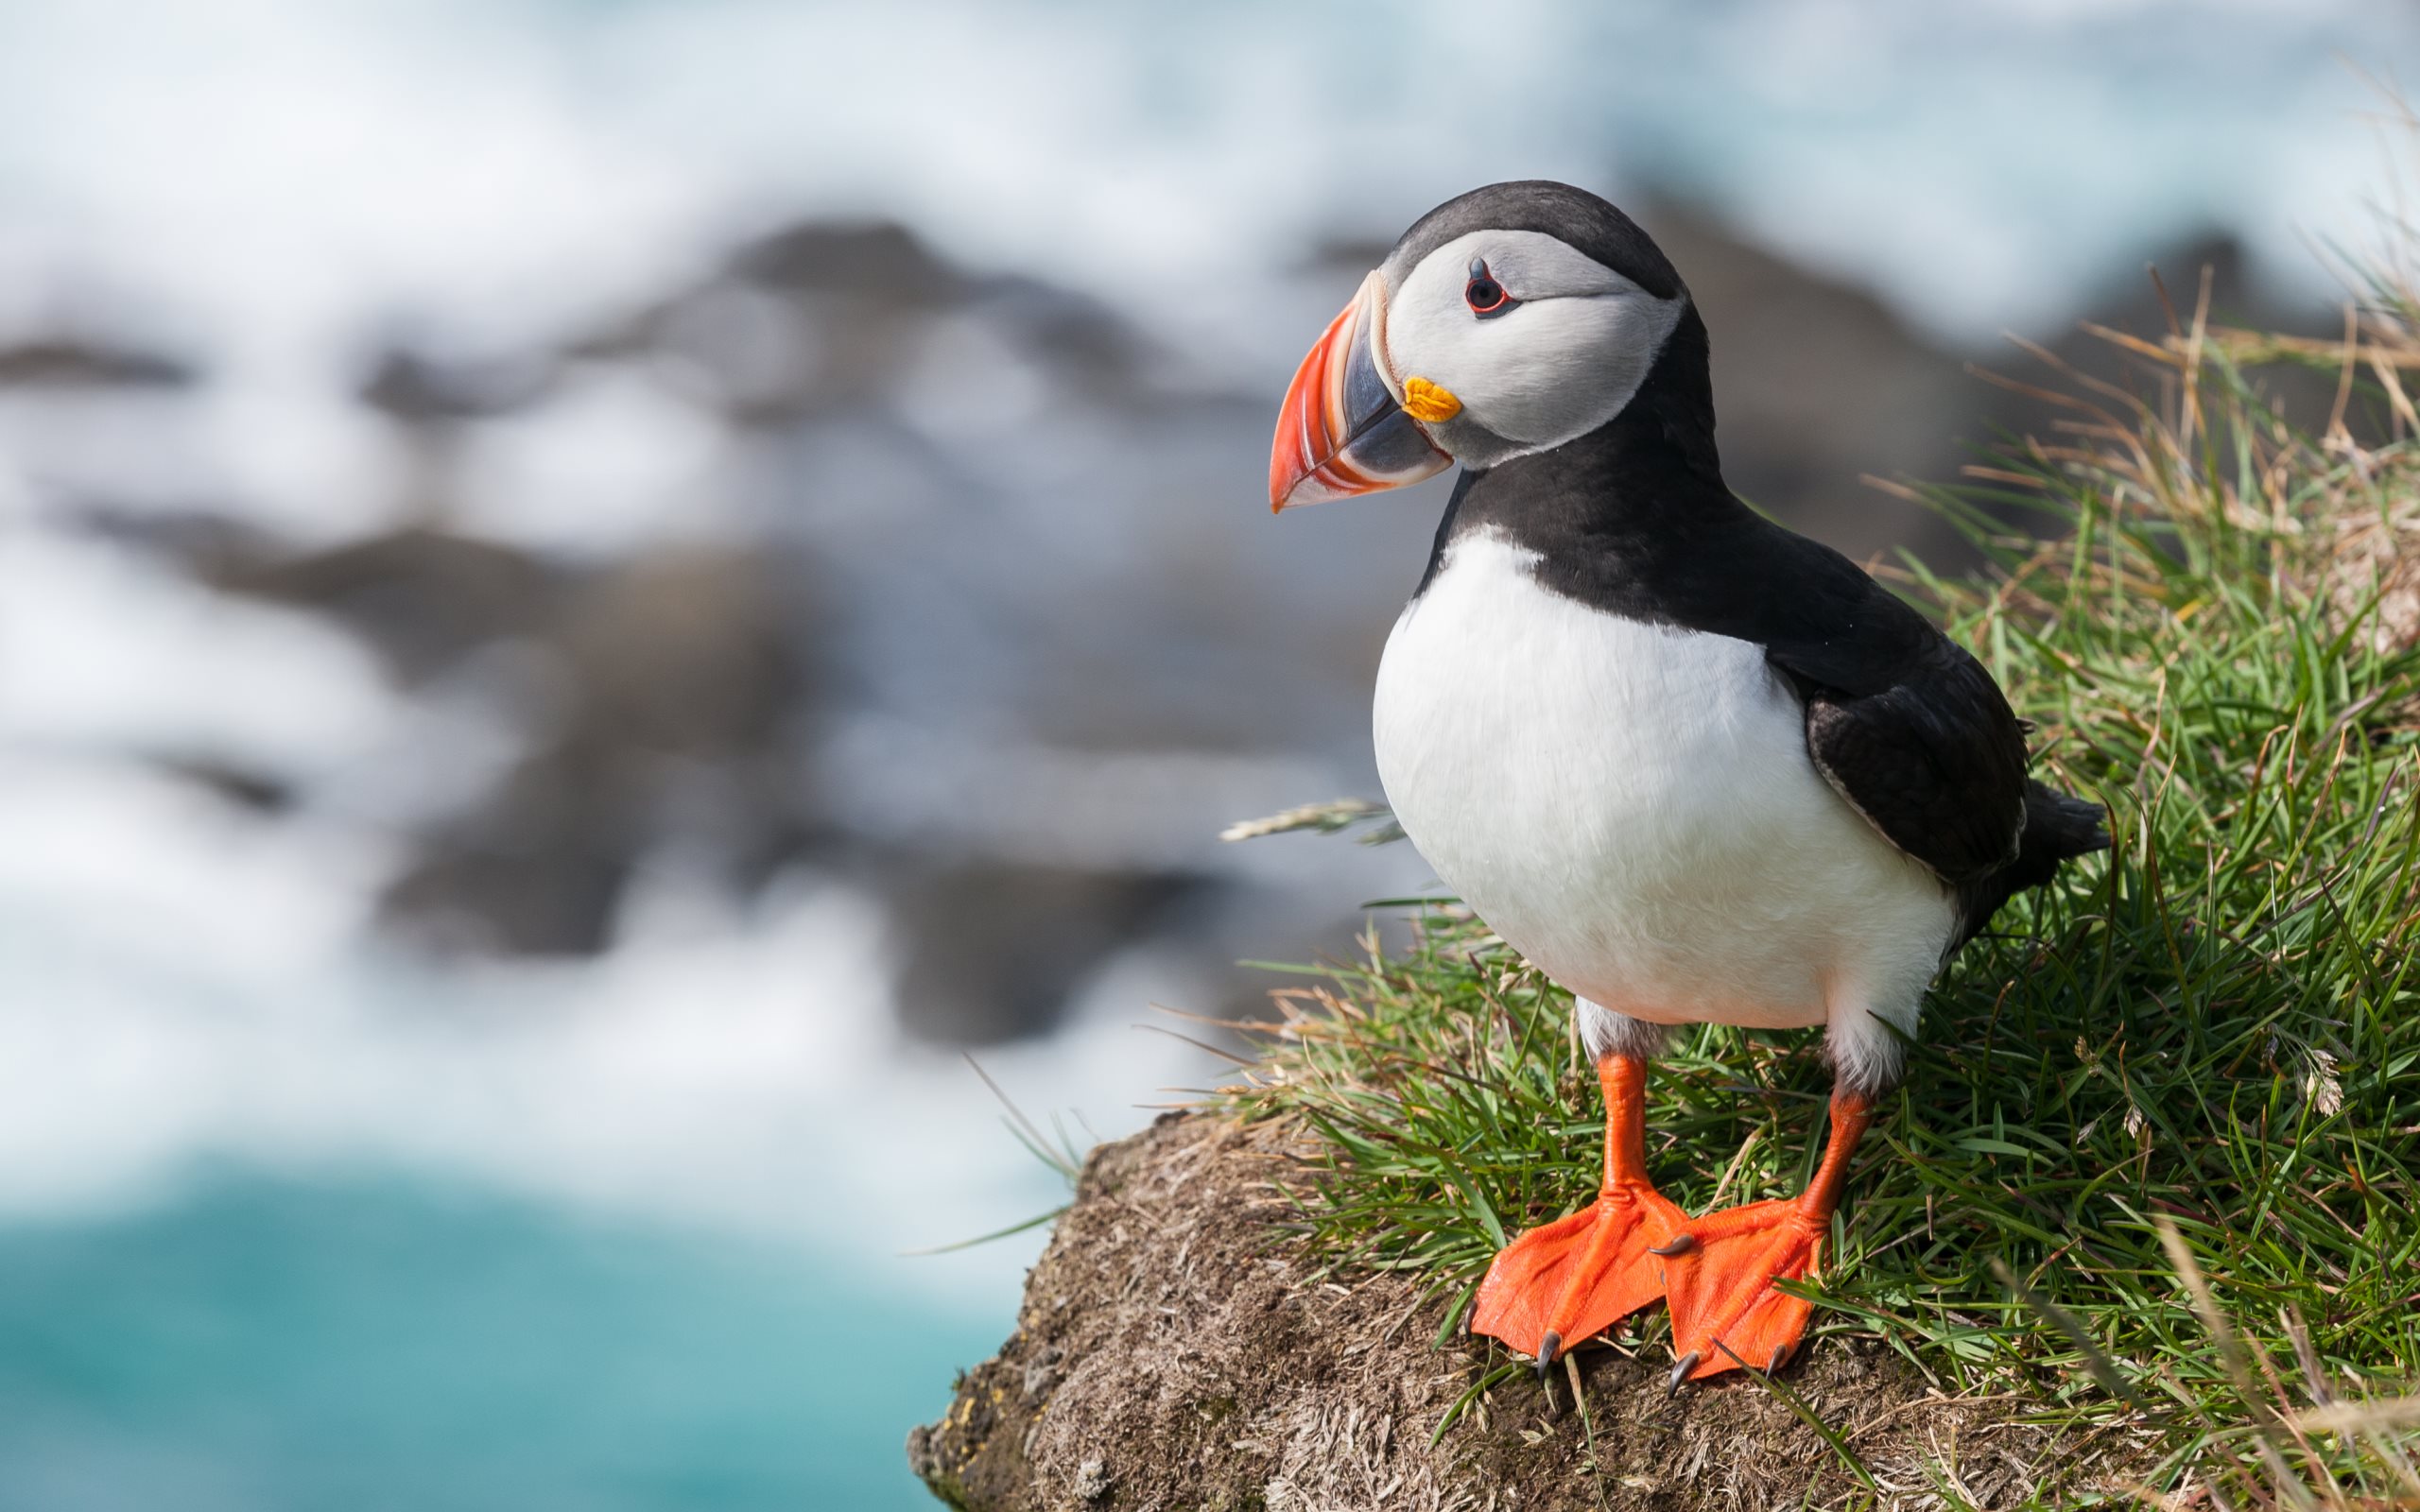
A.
x: 1176, y: 1349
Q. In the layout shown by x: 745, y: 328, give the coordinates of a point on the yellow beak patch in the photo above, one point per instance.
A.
x: 1430, y: 402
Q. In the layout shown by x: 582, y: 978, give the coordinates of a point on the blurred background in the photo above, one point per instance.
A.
x: 591, y: 590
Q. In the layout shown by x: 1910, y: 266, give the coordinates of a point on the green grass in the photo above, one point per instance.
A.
x: 2212, y: 1030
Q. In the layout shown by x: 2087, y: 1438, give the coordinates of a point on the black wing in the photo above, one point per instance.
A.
x: 1902, y: 722
x: 1935, y: 761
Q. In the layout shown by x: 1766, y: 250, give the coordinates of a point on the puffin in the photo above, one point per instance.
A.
x: 1693, y: 766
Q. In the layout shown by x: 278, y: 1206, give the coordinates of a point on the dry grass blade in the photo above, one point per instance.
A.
x: 2359, y: 1417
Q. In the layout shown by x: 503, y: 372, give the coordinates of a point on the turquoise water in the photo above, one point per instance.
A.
x: 271, y: 1345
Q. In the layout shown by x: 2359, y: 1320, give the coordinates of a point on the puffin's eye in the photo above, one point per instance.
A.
x: 1485, y: 295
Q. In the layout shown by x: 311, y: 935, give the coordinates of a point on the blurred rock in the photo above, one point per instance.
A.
x: 992, y: 950
x: 812, y: 318
x: 668, y: 697
x: 421, y: 384
x: 817, y: 319
x: 70, y: 361
x: 422, y: 598
x: 209, y: 544
x: 246, y: 787
x: 881, y: 261
x: 538, y: 870
x: 680, y: 684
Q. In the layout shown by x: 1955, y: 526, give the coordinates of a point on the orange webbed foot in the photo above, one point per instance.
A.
x: 1726, y: 1311
x: 1580, y: 1275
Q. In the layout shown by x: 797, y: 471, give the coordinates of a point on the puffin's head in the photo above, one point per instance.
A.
x: 1507, y: 322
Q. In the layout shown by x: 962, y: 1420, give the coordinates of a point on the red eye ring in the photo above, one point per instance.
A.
x: 1484, y: 293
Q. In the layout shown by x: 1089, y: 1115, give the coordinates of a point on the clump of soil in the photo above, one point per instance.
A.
x: 1176, y: 1349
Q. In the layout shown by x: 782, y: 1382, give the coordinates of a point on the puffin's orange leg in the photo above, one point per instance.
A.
x: 1726, y: 1310
x: 1581, y: 1274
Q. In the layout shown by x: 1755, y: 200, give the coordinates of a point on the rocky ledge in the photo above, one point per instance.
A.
x: 1178, y: 1349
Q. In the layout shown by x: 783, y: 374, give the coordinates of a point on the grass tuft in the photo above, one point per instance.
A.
x: 2179, y: 1086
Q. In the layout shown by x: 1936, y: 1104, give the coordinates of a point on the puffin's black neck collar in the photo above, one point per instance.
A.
x: 1648, y: 480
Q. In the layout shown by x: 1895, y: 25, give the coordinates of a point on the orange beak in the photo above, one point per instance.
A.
x: 1343, y: 430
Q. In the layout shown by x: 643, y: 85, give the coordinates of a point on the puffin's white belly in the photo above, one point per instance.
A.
x: 1633, y: 808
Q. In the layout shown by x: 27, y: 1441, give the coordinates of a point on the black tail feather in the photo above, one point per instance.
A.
x: 2057, y: 828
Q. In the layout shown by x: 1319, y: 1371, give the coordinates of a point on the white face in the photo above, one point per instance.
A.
x: 1560, y: 359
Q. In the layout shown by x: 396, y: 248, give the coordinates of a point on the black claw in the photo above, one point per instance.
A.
x: 1678, y: 1246
x: 1681, y: 1370
x: 1781, y: 1353
x: 1547, y: 1349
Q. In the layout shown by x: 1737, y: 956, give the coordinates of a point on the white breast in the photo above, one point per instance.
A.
x: 1633, y: 808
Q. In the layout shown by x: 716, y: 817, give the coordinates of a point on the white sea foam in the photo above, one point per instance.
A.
x: 611, y: 463
x: 102, y: 651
